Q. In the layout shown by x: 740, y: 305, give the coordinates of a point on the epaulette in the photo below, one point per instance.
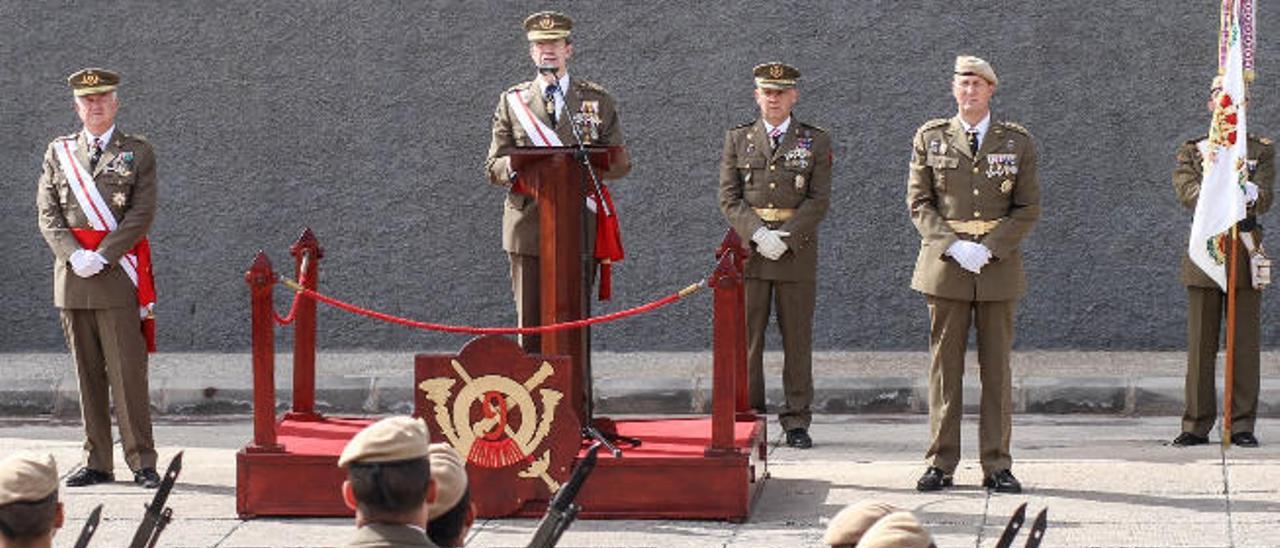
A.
x: 1196, y: 140
x: 135, y: 136
x: 934, y: 124
x: 1264, y: 140
x: 587, y: 85
x: 518, y: 87
x: 819, y: 129
x: 1014, y: 126
x: 743, y: 125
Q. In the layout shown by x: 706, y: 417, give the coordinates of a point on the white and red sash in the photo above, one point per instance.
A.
x: 136, y: 263
x: 538, y: 132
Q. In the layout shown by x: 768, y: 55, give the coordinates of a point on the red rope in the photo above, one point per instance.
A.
x: 293, y: 309
x: 302, y: 291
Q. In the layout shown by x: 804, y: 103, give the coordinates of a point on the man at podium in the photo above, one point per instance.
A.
x: 552, y: 109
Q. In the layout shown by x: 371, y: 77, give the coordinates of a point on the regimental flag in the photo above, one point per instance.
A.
x: 1222, y: 200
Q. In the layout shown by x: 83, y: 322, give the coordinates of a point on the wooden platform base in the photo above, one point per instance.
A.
x: 669, y: 476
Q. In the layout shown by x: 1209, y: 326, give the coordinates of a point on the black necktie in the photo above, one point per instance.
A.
x: 551, y: 103
x: 973, y: 142
x: 94, y: 154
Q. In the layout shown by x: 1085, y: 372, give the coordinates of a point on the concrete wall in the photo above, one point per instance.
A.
x: 369, y: 121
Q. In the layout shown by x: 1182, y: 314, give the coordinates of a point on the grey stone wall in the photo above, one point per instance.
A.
x: 369, y: 121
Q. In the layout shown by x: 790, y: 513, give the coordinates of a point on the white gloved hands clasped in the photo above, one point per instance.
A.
x: 1250, y: 192
x: 769, y: 242
x: 972, y: 256
x: 86, y: 263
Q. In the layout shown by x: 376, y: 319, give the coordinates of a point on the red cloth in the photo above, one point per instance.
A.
x: 91, y: 239
x: 608, y: 242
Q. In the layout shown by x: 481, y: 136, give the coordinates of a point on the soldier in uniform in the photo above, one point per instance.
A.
x: 775, y: 186
x: 30, y: 512
x: 451, y: 514
x: 973, y: 194
x: 96, y: 199
x: 1206, y: 302
x: 389, y: 483
x: 544, y: 112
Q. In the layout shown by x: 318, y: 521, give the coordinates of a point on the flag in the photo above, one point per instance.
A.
x: 1222, y: 200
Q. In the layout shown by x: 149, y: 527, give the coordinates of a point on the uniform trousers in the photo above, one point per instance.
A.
x: 795, y: 301
x: 526, y: 286
x: 1206, y: 308
x: 111, y: 366
x: 949, y: 322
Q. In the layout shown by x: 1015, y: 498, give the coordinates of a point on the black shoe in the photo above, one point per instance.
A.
x: 88, y: 476
x: 1187, y: 439
x: 1002, y: 482
x: 799, y: 438
x: 934, y: 479
x: 1244, y: 439
x: 147, y: 478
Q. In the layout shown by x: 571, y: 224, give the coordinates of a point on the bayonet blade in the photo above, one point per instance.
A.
x: 90, y: 527
x: 1037, y: 529
x: 1015, y: 524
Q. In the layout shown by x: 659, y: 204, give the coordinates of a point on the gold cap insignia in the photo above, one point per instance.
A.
x: 775, y: 75
x: 92, y: 81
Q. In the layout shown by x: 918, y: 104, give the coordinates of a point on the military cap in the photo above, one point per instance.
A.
x: 968, y: 65
x: 850, y: 523
x: 92, y: 81
x: 775, y: 75
x: 27, y: 477
x: 388, y: 440
x: 547, y: 25
x: 896, y: 530
x: 449, y: 473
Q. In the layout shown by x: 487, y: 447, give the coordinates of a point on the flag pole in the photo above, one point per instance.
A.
x: 1229, y: 367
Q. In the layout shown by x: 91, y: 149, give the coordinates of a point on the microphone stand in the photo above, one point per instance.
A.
x: 608, y: 436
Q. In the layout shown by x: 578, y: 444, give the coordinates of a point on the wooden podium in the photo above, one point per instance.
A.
x: 560, y: 183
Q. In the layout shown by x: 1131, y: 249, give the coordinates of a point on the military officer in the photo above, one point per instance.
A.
x: 544, y: 112
x: 30, y: 512
x: 973, y: 194
x: 1206, y: 303
x: 96, y: 199
x: 389, y: 483
x: 775, y: 185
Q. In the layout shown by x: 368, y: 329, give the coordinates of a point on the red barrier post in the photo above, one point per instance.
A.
x: 732, y: 246
x: 726, y: 280
x: 306, y: 253
x: 261, y: 280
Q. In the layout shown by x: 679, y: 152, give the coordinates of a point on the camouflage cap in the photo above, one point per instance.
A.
x: 775, y: 75
x: 92, y: 81
x: 449, y: 473
x: 27, y: 477
x: 968, y: 65
x: 388, y: 440
x: 848, y: 525
x: 547, y: 25
x: 896, y: 530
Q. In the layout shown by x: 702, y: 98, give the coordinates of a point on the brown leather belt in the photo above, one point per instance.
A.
x: 774, y: 214
x: 975, y: 227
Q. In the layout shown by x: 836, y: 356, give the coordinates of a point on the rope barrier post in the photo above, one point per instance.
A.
x: 732, y: 245
x: 261, y: 280
x: 306, y: 253
x: 727, y: 281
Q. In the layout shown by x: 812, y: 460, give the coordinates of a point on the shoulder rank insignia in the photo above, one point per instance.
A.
x: 1014, y: 126
x: 1266, y: 140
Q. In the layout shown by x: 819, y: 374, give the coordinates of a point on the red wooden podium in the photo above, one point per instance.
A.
x: 685, y: 468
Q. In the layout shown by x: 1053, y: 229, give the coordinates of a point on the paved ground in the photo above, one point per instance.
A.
x: 1107, y: 481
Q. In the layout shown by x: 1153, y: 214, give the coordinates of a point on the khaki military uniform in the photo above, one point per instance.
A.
x: 384, y: 535
x: 100, y: 314
x: 992, y: 198
x: 1206, y: 302
x: 595, y: 112
x: 787, y: 189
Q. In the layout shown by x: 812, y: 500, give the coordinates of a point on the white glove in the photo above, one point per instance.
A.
x: 1250, y: 192
x: 86, y: 263
x: 971, y: 256
x: 769, y: 242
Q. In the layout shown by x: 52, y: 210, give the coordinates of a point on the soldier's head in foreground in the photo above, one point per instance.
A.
x: 30, y: 512
x: 388, y: 473
x: 849, y: 524
x: 451, y: 514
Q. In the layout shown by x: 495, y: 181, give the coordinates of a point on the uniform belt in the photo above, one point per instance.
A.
x: 975, y: 227
x: 775, y: 214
